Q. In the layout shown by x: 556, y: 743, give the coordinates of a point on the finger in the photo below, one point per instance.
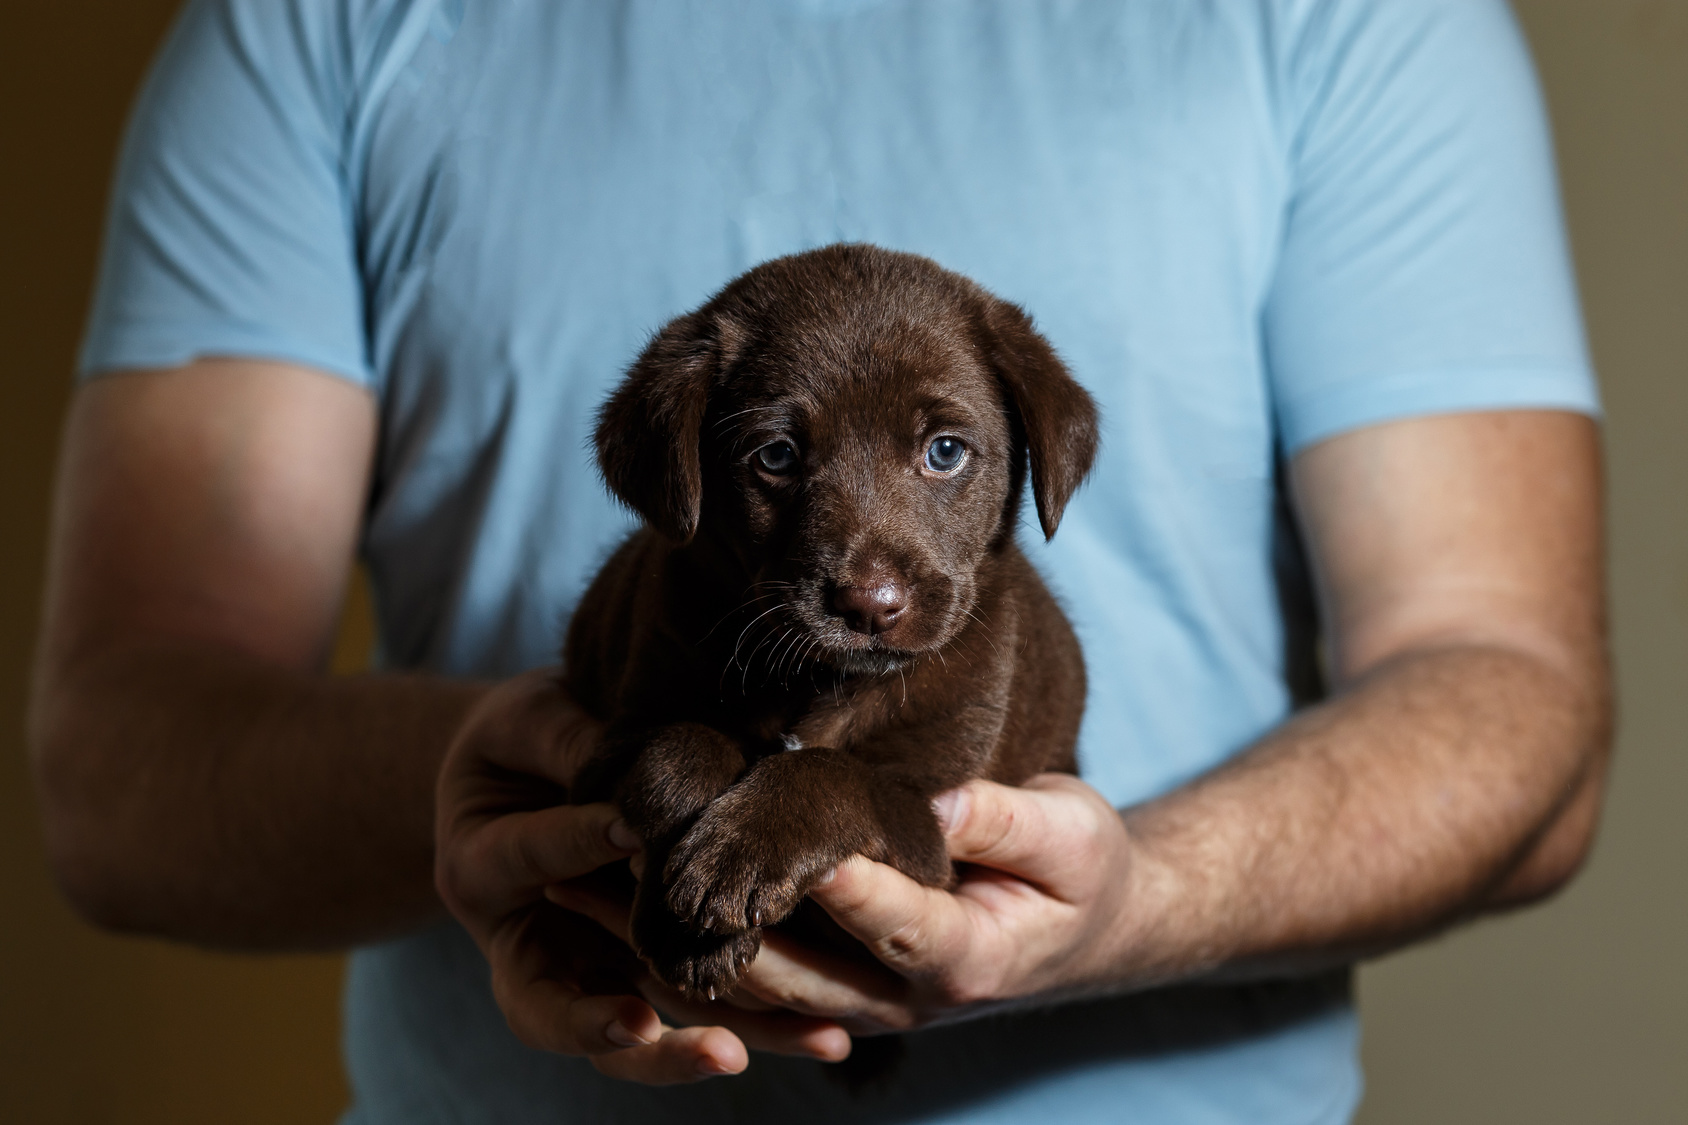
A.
x: 1044, y: 832
x: 531, y: 725
x: 553, y: 844
x: 755, y: 1021
x: 688, y: 1054
x: 814, y: 986
x: 749, y: 1001
x: 551, y: 1016
x: 613, y: 913
x: 508, y: 860
x: 783, y: 1033
x: 863, y: 998
x: 910, y: 927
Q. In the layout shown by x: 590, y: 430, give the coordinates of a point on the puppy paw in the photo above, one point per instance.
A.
x: 702, y: 966
x: 723, y: 880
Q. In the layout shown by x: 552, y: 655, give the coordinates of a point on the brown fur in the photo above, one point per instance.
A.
x: 793, y: 663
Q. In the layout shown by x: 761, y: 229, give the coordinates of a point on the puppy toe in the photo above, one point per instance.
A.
x: 687, y: 895
x: 707, y: 968
x: 710, y: 894
x: 771, y: 902
x: 728, y: 910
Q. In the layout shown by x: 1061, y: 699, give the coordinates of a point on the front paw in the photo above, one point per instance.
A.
x: 725, y: 880
x: 702, y: 966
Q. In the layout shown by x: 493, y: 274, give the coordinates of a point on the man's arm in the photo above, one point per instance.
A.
x: 199, y: 777
x: 1457, y: 768
x: 1460, y: 764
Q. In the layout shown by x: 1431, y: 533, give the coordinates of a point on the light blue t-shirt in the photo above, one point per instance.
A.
x: 1245, y: 224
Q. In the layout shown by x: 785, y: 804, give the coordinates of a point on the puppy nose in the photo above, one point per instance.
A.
x: 870, y: 609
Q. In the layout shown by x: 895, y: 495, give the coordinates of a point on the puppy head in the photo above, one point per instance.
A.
x: 852, y: 426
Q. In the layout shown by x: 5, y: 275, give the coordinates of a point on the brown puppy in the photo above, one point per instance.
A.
x: 827, y: 621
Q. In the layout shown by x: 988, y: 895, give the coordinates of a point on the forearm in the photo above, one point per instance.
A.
x: 1444, y: 783
x: 204, y: 795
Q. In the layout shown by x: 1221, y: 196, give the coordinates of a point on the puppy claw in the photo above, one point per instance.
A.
x: 702, y: 966
x: 720, y: 886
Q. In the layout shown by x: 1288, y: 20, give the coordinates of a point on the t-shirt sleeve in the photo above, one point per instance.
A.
x: 1423, y: 267
x: 230, y: 229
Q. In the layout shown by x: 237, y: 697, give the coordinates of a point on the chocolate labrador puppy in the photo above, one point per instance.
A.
x: 827, y: 621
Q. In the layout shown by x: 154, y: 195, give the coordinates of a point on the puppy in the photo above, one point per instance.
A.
x: 826, y: 621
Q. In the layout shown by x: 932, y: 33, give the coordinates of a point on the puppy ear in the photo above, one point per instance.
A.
x: 1057, y: 416
x: 649, y: 431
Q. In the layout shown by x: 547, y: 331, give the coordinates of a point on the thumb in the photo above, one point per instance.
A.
x: 1037, y: 832
x: 908, y: 926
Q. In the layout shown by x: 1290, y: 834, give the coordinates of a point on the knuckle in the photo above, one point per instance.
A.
x: 781, y: 994
x: 1089, y: 831
x: 999, y: 824
x: 905, y: 944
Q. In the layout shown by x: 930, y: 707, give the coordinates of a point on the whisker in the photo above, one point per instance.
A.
x: 746, y: 604
x: 813, y: 644
x: 746, y: 629
x: 789, y: 664
x: 784, y: 649
x: 773, y: 657
x: 984, y: 629
x: 767, y: 664
x: 750, y: 658
x: 744, y: 668
x: 783, y: 665
x: 809, y: 646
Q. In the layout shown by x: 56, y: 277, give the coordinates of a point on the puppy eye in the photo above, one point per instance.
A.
x: 945, y: 455
x: 777, y: 457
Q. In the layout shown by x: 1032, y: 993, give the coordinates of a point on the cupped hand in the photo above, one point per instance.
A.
x: 504, y: 835
x: 1040, y: 910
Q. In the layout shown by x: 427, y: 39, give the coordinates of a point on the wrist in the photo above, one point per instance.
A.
x: 1163, y: 931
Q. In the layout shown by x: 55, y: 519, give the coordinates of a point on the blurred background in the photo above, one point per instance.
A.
x: 1573, y: 1012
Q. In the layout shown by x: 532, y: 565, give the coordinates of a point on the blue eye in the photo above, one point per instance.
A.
x: 945, y: 455
x: 777, y: 457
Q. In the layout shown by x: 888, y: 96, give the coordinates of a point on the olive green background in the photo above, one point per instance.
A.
x: 1574, y: 1012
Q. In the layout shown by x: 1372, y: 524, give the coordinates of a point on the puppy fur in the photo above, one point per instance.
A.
x: 826, y: 621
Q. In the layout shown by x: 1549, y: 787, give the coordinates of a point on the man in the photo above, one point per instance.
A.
x: 372, y: 263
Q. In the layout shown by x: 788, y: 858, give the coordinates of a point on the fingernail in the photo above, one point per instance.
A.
x: 711, y: 1065
x: 623, y: 837
x: 618, y: 1034
x: 951, y: 808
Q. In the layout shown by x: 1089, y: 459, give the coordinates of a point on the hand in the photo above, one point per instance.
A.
x: 505, y: 836
x: 1039, y: 911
